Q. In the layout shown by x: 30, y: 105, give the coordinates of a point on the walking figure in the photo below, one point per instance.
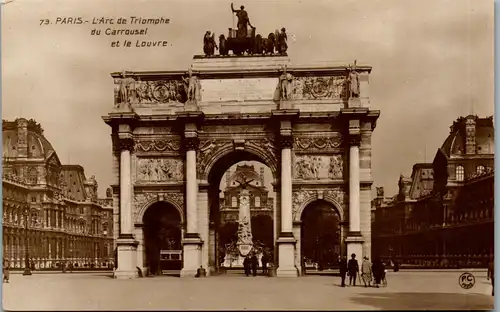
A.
x: 353, y: 269
x: 255, y: 264
x: 366, y: 272
x: 6, y: 270
x: 343, y: 270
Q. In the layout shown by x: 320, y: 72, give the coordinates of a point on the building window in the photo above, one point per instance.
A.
x: 81, y: 210
x: 33, y: 199
x: 480, y: 169
x: 33, y: 176
x: 234, y: 202
x: 460, y: 173
x: 257, y: 201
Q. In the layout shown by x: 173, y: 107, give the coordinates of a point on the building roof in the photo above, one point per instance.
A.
x: 455, y: 142
x: 38, y: 145
x: 73, y: 179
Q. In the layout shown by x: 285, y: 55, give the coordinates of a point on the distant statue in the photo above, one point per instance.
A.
x: 209, y: 44
x: 285, y: 85
x: 282, y: 42
x: 109, y: 192
x: 258, y: 45
x: 193, y: 86
x: 276, y: 40
x: 353, y: 81
x: 269, y: 43
x: 243, y: 21
x: 223, y: 49
x: 380, y: 191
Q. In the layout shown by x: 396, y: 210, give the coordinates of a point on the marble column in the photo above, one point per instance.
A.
x: 126, y: 243
x: 286, y: 241
x: 192, y: 241
x: 354, y: 238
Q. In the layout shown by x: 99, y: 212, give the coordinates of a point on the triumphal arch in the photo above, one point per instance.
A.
x: 175, y: 133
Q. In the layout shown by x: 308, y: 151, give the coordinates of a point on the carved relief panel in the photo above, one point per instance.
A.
x: 159, y: 170
x: 131, y: 90
x: 301, y: 197
x: 318, y: 167
x: 141, y: 199
x: 312, y: 88
x: 157, y: 145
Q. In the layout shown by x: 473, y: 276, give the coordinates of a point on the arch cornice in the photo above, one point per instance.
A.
x: 212, y: 151
x: 143, y: 201
x: 302, y: 198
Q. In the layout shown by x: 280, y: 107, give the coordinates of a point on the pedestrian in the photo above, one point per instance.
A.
x: 366, y: 272
x: 6, y: 270
x: 378, y: 269
x: 264, y: 260
x: 352, y: 269
x: 491, y: 275
x: 255, y: 264
x: 246, y: 265
x: 343, y: 270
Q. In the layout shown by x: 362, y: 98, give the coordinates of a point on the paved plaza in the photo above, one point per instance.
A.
x: 98, y: 291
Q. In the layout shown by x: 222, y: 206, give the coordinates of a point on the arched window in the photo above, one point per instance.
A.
x: 234, y: 202
x: 257, y: 201
x: 460, y: 173
x: 480, y: 169
x: 105, y: 230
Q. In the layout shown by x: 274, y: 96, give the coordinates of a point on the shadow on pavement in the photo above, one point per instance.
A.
x: 425, y: 301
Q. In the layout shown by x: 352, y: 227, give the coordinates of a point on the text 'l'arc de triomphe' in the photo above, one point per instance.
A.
x: 175, y: 133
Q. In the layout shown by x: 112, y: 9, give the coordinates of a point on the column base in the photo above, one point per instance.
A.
x: 127, y: 257
x: 122, y: 274
x: 191, y: 255
x: 286, y: 250
x: 355, y: 245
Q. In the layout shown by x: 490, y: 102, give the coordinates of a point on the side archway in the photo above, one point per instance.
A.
x: 162, y: 234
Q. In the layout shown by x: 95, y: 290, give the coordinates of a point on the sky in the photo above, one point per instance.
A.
x: 432, y: 62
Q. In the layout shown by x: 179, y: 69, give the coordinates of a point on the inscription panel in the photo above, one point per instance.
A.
x: 247, y: 89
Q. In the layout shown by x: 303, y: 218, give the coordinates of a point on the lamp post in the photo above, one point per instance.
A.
x: 27, y: 270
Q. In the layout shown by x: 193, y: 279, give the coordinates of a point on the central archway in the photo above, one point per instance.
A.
x: 223, y: 233
x: 162, y: 238
x: 321, y: 236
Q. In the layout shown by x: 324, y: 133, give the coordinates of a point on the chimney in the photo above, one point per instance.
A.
x: 262, y: 175
x: 22, y: 138
x: 470, y: 135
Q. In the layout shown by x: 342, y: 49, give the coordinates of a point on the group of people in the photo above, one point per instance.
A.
x: 370, y: 271
x: 251, y: 263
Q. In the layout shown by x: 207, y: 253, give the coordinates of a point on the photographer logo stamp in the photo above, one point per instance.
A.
x: 466, y: 280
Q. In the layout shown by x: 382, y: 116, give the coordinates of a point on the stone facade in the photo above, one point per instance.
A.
x: 317, y: 143
x: 50, y: 211
x: 443, y: 215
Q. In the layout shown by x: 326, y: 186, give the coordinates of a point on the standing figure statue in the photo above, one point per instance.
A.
x: 243, y: 21
x: 223, y: 45
x: 193, y: 86
x: 285, y: 85
x: 282, y: 39
x: 209, y: 44
x: 126, y: 91
x: 353, y: 81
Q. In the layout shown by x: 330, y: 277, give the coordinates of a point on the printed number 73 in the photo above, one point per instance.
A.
x: 44, y: 22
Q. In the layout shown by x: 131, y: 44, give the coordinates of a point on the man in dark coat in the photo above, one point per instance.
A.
x: 353, y: 269
x: 246, y: 265
x: 343, y: 269
x: 264, y: 261
x: 378, y: 270
x: 255, y: 264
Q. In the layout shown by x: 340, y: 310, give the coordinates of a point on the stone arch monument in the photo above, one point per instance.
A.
x: 316, y: 139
